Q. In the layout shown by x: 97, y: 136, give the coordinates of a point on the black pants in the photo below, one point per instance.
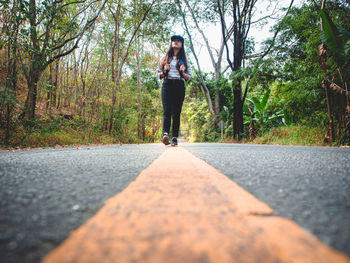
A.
x: 173, y: 94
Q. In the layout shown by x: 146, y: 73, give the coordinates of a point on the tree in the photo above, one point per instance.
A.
x: 337, y: 39
x: 118, y: 59
x: 242, y: 14
x: 149, y: 34
x: 12, y: 24
x: 303, y: 74
x: 53, y: 30
x: 195, y: 10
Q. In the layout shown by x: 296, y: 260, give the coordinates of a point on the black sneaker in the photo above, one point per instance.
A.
x: 165, y: 139
x: 174, y: 141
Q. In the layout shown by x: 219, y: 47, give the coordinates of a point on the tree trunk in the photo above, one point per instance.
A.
x: 322, y: 53
x: 11, y: 84
x: 323, y: 57
x: 33, y: 79
x: 237, y: 112
x: 53, y: 81
x: 214, y: 109
x: 139, y: 105
x: 83, y: 95
x: 202, y: 85
x: 50, y: 88
x: 11, y: 78
x: 55, y: 84
x: 35, y: 67
x: 114, y: 99
x: 241, y: 14
x: 216, y: 106
x: 114, y: 56
x: 252, y: 130
x: 347, y: 125
x: 126, y: 53
x: 237, y: 89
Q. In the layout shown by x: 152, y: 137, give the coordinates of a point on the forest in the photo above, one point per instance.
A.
x: 84, y: 72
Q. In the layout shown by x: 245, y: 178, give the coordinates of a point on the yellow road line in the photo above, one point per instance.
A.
x: 180, y: 209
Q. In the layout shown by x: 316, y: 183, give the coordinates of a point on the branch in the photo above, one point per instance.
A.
x: 87, y: 26
x: 202, y: 86
x: 267, y: 51
x: 201, y: 31
x: 47, y: 33
x: 76, y: 2
x: 263, y: 18
x: 227, y: 67
x: 268, y: 16
x: 245, y: 91
x: 132, y: 38
x: 223, y: 27
x: 77, y: 37
x: 277, y: 31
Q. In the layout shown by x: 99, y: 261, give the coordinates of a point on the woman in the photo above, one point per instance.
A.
x: 174, y: 70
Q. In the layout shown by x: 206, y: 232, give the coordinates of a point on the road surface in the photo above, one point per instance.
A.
x: 46, y: 194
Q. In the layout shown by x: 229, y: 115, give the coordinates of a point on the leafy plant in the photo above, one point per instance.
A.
x: 336, y: 38
x: 258, y: 111
x: 287, y: 118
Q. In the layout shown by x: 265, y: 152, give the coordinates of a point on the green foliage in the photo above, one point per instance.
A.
x: 287, y: 118
x: 285, y: 90
x: 197, y: 121
x: 51, y: 131
x: 7, y: 97
x: 294, y: 69
x: 261, y: 105
x: 257, y: 112
x: 336, y: 38
x: 293, y: 135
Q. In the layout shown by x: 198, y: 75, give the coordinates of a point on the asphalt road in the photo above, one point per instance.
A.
x: 46, y: 194
x: 310, y: 185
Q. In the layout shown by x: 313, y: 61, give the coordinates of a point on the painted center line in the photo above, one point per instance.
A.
x: 180, y: 209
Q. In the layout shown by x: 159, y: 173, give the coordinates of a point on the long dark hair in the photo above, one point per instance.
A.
x: 180, y: 56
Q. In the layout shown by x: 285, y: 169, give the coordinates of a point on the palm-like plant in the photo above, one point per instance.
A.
x: 257, y: 111
x: 337, y: 39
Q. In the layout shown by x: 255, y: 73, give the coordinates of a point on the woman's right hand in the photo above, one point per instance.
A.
x: 166, y: 67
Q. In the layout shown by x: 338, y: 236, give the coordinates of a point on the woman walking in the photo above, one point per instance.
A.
x: 174, y: 70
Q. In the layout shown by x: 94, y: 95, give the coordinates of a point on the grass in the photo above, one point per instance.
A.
x: 61, y: 138
x: 55, y: 133
x: 293, y: 135
x: 289, y: 135
x: 60, y: 132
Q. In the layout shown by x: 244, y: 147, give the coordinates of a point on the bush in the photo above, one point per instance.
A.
x: 293, y: 135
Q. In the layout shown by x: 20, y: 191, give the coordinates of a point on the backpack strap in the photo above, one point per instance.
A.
x: 165, y: 61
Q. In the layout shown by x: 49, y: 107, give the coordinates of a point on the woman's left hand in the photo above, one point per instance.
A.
x: 182, y: 68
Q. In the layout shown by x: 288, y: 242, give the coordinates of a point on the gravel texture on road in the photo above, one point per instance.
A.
x: 45, y: 194
x: 310, y: 185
